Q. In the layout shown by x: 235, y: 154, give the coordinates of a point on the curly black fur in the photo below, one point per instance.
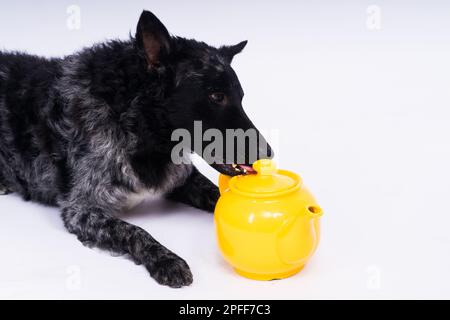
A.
x: 89, y: 131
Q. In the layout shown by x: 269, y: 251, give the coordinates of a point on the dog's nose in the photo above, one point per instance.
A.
x: 265, y: 151
x: 270, y: 153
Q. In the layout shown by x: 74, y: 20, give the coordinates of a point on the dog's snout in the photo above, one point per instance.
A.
x: 265, y: 152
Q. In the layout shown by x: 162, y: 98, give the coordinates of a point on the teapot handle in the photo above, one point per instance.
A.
x: 223, y: 183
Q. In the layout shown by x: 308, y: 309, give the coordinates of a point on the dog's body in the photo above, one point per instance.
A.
x: 54, y: 127
x: 91, y: 132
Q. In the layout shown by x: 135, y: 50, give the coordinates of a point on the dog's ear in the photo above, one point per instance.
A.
x: 153, y: 39
x: 228, y: 52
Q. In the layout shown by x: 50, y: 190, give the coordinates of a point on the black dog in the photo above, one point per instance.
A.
x: 90, y: 131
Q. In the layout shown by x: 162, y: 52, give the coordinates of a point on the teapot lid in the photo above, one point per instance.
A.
x: 268, y: 180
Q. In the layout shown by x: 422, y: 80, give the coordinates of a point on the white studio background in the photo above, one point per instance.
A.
x: 358, y: 92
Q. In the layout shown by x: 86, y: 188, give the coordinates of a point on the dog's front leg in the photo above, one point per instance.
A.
x: 95, y: 226
x: 197, y: 191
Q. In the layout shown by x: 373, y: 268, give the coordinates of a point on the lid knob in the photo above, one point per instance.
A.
x: 265, y: 167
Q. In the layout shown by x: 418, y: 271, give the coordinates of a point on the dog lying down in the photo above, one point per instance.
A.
x: 90, y: 132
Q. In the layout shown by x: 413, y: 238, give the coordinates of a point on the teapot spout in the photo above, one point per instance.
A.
x: 223, y: 183
x: 314, y: 211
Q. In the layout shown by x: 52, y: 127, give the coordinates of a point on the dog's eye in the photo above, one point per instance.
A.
x: 217, y: 97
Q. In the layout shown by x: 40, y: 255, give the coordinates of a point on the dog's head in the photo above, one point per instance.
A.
x: 203, y: 87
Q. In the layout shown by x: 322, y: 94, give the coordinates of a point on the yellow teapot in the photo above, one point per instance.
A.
x: 267, y: 224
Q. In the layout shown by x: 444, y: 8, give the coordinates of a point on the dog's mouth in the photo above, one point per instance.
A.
x: 234, y: 169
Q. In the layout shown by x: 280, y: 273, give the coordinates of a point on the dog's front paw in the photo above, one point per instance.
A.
x: 170, y: 270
